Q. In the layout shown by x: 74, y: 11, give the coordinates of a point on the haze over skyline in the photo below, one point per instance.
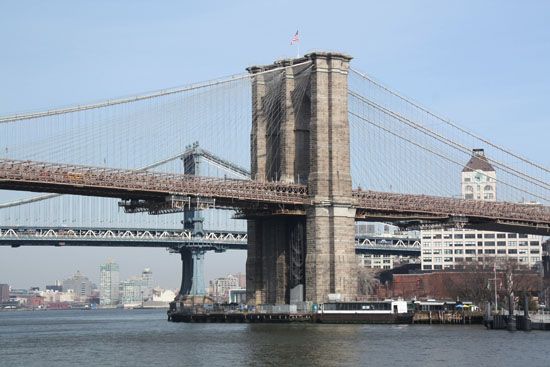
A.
x: 485, y: 65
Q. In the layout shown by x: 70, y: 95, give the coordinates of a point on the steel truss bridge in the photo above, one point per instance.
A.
x: 174, y: 239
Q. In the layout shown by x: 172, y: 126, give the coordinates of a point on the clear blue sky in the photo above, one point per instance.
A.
x: 485, y: 64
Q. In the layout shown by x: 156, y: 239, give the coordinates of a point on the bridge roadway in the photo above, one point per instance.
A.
x: 161, y: 192
x: 217, y: 241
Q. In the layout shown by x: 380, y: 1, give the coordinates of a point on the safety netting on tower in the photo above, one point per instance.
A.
x: 397, y: 145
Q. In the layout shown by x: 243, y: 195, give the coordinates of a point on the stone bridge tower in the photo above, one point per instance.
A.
x: 300, y: 134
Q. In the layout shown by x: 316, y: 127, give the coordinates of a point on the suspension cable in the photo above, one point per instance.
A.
x: 160, y: 93
x: 444, y: 140
x: 448, y: 121
x: 436, y: 153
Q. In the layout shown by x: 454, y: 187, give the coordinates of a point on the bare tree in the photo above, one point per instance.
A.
x: 476, y: 281
x: 366, y: 281
x: 471, y: 283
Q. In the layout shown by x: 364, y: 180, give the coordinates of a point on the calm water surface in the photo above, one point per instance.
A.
x: 145, y: 338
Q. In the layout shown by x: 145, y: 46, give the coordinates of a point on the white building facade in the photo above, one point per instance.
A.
x: 446, y: 249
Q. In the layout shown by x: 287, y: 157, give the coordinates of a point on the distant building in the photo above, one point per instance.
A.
x: 54, y: 288
x: 241, y: 279
x: 163, y: 295
x: 546, y: 259
x: 4, y: 293
x: 147, y: 277
x: 109, y: 283
x: 385, y: 232
x: 221, y: 286
x: 55, y: 297
x: 457, y: 248
x: 137, y: 289
x: 237, y: 296
x: 80, y: 285
x: 160, y: 298
x: 377, y: 261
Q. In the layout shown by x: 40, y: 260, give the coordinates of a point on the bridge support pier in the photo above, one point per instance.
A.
x: 192, y: 257
x: 300, y: 134
x: 192, y: 270
x: 275, y: 262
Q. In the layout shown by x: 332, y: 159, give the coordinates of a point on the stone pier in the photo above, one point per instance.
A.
x: 300, y: 134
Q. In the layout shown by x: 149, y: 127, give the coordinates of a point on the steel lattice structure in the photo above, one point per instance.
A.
x: 174, y: 239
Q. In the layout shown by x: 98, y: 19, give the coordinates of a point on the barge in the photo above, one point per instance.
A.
x: 379, y: 312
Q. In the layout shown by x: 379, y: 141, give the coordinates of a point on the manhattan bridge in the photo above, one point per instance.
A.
x: 280, y: 161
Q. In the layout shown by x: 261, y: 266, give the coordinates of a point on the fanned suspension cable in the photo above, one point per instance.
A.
x: 448, y: 121
x: 436, y: 153
x: 444, y: 140
x: 112, y: 102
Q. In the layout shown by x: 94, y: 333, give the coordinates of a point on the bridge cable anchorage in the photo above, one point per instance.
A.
x: 160, y: 93
x: 447, y: 121
x: 436, y: 153
x: 453, y: 144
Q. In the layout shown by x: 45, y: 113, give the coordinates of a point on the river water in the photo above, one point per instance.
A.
x: 145, y: 338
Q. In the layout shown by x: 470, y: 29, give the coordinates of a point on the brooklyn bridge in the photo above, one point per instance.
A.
x: 327, y: 146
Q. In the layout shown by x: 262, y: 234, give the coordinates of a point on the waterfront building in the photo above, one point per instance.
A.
x: 80, y: 285
x: 456, y: 248
x: 57, y: 287
x: 222, y: 286
x: 109, y: 283
x: 163, y: 295
x: 51, y: 296
x: 237, y: 295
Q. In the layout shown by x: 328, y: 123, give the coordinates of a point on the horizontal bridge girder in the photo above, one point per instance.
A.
x: 259, y: 195
x: 174, y: 239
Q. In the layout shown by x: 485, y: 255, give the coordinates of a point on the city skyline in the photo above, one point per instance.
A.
x: 95, y: 278
x: 304, y: 183
x: 465, y: 61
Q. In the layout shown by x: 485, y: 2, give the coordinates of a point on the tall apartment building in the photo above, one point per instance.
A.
x: 455, y: 248
x: 109, y: 283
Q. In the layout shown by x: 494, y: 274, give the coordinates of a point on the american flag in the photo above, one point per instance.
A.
x: 295, y: 39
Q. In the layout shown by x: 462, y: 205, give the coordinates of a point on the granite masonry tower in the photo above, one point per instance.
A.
x: 300, y: 134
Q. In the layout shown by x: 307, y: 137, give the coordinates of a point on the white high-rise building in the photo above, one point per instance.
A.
x: 456, y: 248
x: 109, y: 283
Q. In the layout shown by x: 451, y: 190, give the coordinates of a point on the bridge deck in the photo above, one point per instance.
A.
x: 248, y: 194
